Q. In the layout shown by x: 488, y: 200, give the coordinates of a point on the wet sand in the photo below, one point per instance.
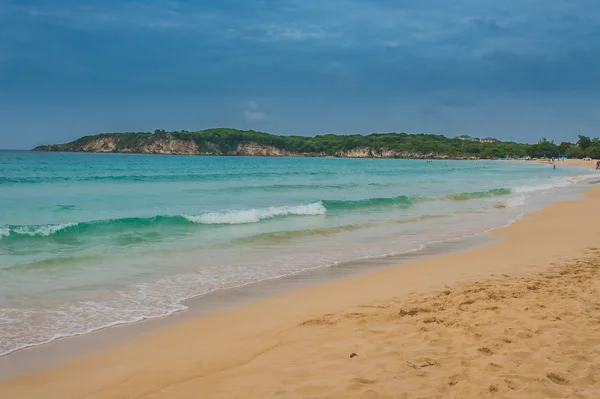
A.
x: 519, y: 318
x: 66, y: 349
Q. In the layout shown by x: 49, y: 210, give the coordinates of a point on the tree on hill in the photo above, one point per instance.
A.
x: 564, y: 146
x: 545, y: 148
x: 226, y: 141
x: 574, y: 151
x: 593, y: 151
x: 584, y: 142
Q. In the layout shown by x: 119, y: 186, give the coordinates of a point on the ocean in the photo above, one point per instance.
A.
x: 94, y: 240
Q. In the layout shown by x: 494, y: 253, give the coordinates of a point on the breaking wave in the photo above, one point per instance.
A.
x: 479, y: 194
x: 227, y: 217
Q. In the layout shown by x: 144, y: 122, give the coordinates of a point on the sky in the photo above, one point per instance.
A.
x: 511, y: 69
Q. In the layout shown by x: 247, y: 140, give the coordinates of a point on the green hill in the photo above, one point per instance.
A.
x: 223, y: 141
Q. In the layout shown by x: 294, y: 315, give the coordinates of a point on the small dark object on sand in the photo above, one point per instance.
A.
x: 353, y: 355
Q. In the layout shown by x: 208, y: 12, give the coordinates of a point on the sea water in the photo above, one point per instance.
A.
x: 93, y: 240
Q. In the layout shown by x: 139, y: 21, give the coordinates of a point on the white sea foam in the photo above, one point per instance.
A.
x: 43, y: 230
x: 561, y: 182
x: 580, y: 178
x: 542, y: 187
x: 256, y: 215
x: 4, y: 231
x: 23, y: 328
x: 516, y: 201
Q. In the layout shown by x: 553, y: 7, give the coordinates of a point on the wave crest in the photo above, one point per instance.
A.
x: 479, y: 194
x: 256, y: 215
x: 112, y: 226
x: 43, y: 230
x: 399, y: 201
x: 230, y: 217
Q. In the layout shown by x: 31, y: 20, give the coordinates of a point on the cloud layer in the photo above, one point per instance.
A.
x: 454, y: 51
x: 252, y: 114
x: 339, y: 47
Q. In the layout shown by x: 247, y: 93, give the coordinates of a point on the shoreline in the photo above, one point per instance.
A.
x: 533, y: 230
x: 418, y: 158
x: 7, y: 367
x: 70, y: 347
x: 562, y: 161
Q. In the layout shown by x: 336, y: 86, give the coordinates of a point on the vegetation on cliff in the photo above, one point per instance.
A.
x: 223, y: 141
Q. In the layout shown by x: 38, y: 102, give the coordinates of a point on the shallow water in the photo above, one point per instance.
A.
x: 92, y: 240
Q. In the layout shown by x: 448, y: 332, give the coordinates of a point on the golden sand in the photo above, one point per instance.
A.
x: 577, y: 162
x: 515, y: 319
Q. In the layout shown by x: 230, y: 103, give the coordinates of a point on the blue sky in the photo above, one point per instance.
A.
x: 521, y: 69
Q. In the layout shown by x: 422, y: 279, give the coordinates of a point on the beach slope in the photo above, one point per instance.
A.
x: 519, y: 318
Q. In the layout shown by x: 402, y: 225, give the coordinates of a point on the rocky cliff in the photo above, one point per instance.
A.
x: 366, y: 152
x: 254, y: 149
x: 166, y: 145
x: 242, y: 143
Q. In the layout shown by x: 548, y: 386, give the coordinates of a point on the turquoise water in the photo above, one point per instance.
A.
x: 92, y: 240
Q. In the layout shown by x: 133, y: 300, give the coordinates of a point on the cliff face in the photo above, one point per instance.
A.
x: 100, y: 145
x: 167, y: 144
x: 159, y: 146
x: 169, y: 147
x: 365, y: 152
x: 253, y: 149
x: 111, y: 144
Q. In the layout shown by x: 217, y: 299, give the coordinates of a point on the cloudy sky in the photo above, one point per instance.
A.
x: 513, y: 68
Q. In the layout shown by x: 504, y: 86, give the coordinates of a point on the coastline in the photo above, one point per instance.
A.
x: 198, y: 350
x: 151, y: 291
x: 575, y: 162
x: 61, y: 350
x: 227, y: 141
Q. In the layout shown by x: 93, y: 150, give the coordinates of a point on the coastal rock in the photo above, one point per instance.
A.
x: 168, y: 146
x: 225, y: 142
x: 254, y: 149
x: 366, y: 152
x: 104, y: 144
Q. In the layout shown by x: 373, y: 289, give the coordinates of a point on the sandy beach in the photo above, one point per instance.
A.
x: 579, y: 162
x: 299, y: 200
x: 576, y: 162
x: 519, y: 318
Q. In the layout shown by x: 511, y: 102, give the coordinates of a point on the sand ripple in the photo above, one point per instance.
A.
x: 525, y: 337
